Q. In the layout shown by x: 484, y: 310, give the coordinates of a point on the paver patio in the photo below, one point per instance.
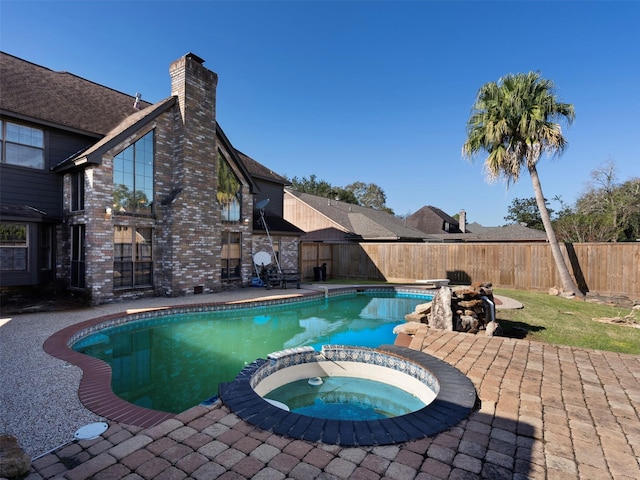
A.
x: 546, y: 412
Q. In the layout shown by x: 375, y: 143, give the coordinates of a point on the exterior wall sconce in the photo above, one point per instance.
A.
x: 108, y: 211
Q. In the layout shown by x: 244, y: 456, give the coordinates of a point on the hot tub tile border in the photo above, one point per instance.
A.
x: 455, y: 398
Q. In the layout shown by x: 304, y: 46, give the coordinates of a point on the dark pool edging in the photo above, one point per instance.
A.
x: 453, y: 403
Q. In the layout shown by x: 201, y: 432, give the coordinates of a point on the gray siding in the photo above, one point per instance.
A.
x: 41, y: 189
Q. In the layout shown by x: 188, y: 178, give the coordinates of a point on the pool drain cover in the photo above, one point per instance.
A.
x: 91, y: 431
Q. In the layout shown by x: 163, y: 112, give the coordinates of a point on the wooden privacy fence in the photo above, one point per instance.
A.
x: 600, y: 268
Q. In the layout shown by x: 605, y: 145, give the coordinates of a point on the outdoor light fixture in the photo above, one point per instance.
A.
x: 108, y: 210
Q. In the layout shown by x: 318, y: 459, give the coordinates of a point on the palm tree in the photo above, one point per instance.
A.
x: 513, y: 121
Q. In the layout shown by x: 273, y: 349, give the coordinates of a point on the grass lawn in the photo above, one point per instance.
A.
x: 560, y: 321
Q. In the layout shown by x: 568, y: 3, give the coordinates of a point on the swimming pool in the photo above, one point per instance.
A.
x: 171, y: 361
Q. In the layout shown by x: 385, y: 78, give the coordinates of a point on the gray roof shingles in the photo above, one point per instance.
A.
x: 61, y: 99
x: 367, y: 223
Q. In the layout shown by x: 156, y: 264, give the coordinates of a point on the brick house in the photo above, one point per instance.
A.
x: 112, y: 197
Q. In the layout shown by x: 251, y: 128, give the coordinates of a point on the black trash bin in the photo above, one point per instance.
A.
x: 323, y: 272
x: 316, y: 274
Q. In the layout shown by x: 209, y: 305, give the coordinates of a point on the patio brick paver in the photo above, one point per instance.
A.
x: 546, y: 412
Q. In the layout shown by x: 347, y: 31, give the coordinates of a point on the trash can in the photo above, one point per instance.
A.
x: 323, y: 272
x: 316, y: 274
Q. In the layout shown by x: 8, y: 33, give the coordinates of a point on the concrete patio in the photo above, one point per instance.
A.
x: 546, y: 412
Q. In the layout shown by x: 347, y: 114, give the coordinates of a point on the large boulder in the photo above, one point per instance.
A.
x: 14, y: 462
x: 420, y: 313
x: 441, y: 314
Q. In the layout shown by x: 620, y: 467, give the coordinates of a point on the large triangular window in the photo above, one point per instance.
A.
x: 229, y: 191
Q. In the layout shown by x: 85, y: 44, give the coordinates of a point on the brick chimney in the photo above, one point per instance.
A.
x: 195, y: 86
x: 193, y: 253
x: 462, y: 221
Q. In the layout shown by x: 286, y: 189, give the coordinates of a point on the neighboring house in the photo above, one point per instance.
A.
x: 441, y: 227
x: 327, y: 220
x: 432, y: 220
x: 114, y: 197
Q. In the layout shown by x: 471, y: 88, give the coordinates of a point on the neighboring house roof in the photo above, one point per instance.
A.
x: 361, y: 223
x: 478, y: 233
x: 61, y: 99
x: 507, y: 233
x: 432, y: 220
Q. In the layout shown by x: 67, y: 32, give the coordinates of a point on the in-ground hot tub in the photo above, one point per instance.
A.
x: 447, y: 395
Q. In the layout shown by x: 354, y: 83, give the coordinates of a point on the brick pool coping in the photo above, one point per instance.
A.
x: 454, y: 402
x: 95, y: 391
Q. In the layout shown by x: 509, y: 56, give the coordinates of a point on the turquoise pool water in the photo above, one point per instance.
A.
x: 177, y: 361
x: 346, y: 398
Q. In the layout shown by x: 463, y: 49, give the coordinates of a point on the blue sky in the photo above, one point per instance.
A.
x: 371, y: 91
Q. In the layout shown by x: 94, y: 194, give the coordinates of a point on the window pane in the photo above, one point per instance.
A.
x: 231, y: 255
x: 13, y: 246
x: 143, y: 244
x: 122, y: 243
x: 133, y: 254
x: 13, y: 234
x: 77, y: 191
x: 24, y: 135
x: 13, y: 259
x: 122, y: 274
x: 133, y: 176
x: 77, y: 256
x: 143, y: 274
x: 229, y: 188
x: 24, y: 156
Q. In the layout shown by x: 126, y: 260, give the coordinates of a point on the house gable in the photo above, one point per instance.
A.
x: 431, y: 220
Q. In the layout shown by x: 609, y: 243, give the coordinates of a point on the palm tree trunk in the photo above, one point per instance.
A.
x: 568, y: 284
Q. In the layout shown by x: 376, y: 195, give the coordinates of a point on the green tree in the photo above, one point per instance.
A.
x: 357, y: 193
x: 311, y: 185
x: 607, y: 211
x: 514, y: 121
x: 525, y: 211
x: 369, y: 195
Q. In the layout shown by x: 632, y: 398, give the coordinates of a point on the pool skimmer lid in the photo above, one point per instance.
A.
x: 91, y: 431
x: 315, y: 381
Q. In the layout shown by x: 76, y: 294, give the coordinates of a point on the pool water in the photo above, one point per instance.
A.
x: 177, y: 361
x: 346, y: 398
